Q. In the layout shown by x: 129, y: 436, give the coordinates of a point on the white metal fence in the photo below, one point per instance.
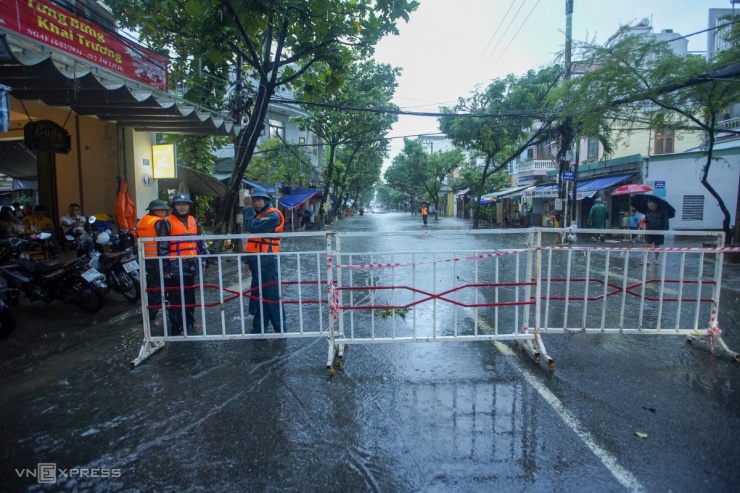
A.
x: 516, y: 285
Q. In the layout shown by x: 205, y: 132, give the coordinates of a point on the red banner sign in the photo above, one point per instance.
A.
x: 57, y: 28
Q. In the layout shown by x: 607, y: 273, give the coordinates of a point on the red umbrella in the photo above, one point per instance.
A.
x: 632, y: 188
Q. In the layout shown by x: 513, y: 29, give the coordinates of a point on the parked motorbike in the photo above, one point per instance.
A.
x: 121, y: 269
x: 66, y: 280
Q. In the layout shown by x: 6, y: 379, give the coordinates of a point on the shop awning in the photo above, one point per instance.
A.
x: 507, y: 193
x: 56, y: 79
x: 587, y: 188
x: 194, y: 183
x: 462, y: 192
x: 299, y: 197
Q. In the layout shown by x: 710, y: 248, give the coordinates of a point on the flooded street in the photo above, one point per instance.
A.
x: 260, y: 415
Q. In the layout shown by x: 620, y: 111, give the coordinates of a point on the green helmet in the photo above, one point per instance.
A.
x: 261, y: 194
x: 157, y: 205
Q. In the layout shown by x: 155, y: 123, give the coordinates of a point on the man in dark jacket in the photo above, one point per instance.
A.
x: 261, y: 217
x: 655, y: 219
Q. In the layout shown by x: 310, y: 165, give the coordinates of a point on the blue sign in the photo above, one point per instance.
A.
x: 659, y: 184
x: 569, y: 175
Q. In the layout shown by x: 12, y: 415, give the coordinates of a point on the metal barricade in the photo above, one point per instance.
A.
x: 447, y: 286
x: 223, y: 291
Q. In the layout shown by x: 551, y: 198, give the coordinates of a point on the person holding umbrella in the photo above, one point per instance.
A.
x: 657, y: 213
x: 655, y: 219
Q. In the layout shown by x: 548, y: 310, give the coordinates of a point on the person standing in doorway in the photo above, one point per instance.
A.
x: 424, y: 213
x: 145, y: 229
x: 263, y: 263
x: 180, y: 277
x: 655, y: 219
x: 598, y: 216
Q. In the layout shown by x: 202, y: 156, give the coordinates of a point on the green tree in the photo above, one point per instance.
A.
x: 277, y: 161
x: 274, y: 42
x: 403, y: 174
x: 501, y: 122
x: 640, y: 83
x: 336, y: 114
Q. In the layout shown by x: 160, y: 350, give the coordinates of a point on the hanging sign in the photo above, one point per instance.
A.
x: 45, y: 135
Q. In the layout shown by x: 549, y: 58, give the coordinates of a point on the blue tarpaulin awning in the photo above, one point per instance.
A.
x: 299, y: 197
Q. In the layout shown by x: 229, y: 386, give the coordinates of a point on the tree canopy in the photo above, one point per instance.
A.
x: 273, y: 42
x: 501, y: 139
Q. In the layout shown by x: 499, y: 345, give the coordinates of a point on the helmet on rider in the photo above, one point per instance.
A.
x: 158, y: 205
x: 181, y: 198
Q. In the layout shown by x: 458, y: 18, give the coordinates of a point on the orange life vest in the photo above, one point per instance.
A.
x: 265, y: 245
x: 183, y: 248
x: 145, y: 229
x: 423, y: 211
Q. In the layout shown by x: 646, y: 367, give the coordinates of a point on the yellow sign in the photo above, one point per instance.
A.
x: 163, y: 160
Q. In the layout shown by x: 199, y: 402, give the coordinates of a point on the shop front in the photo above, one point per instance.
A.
x: 83, y: 118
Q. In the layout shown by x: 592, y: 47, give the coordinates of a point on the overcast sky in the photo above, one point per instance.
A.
x: 450, y: 46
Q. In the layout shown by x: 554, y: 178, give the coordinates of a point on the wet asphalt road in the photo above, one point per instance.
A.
x: 264, y: 416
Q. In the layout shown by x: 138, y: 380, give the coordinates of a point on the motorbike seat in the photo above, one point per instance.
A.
x: 109, y: 256
x: 44, y: 266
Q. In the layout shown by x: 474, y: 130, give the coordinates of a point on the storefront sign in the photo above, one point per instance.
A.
x: 163, y: 157
x: 55, y: 27
x: 45, y: 135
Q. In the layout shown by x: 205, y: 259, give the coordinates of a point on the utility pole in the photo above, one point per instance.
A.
x: 566, y: 129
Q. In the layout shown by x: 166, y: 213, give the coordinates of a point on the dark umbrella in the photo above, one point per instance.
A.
x: 424, y: 201
x: 640, y: 203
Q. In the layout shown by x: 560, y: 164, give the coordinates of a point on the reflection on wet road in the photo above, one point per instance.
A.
x: 264, y: 416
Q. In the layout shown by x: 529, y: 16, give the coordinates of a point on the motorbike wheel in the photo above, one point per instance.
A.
x: 7, y: 321
x: 90, y: 299
x: 126, y: 287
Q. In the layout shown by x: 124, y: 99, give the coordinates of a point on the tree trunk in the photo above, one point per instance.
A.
x: 244, y: 147
x: 321, y: 219
x: 713, y: 192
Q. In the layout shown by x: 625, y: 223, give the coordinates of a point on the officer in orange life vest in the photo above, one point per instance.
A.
x: 261, y: 217
x: 145, y: 229
x: 180, y: 224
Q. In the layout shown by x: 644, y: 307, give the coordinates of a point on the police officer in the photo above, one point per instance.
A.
x: 180, y: 224
x: 261, y: 217
x: 145, y: 229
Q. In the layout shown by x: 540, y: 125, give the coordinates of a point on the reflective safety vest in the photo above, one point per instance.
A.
x: 145, y: 229
x: 183, y: 248
x: 265, y: 245
x: 423, y: 211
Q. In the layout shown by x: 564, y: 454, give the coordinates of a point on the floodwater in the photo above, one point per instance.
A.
x: 264, y: 415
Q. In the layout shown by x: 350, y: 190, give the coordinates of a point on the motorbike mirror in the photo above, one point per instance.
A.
x: 92, y: 219
x: 44, y: 236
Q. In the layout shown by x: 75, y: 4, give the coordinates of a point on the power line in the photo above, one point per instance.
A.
x: 495, y: 32
x: 517, y: 32
x: 507, y: 30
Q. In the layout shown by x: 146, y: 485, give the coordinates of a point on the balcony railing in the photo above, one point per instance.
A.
x: 537, y: 167
x: 730, y: 124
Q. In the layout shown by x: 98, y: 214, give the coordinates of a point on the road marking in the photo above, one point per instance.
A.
x: 625, y: 478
